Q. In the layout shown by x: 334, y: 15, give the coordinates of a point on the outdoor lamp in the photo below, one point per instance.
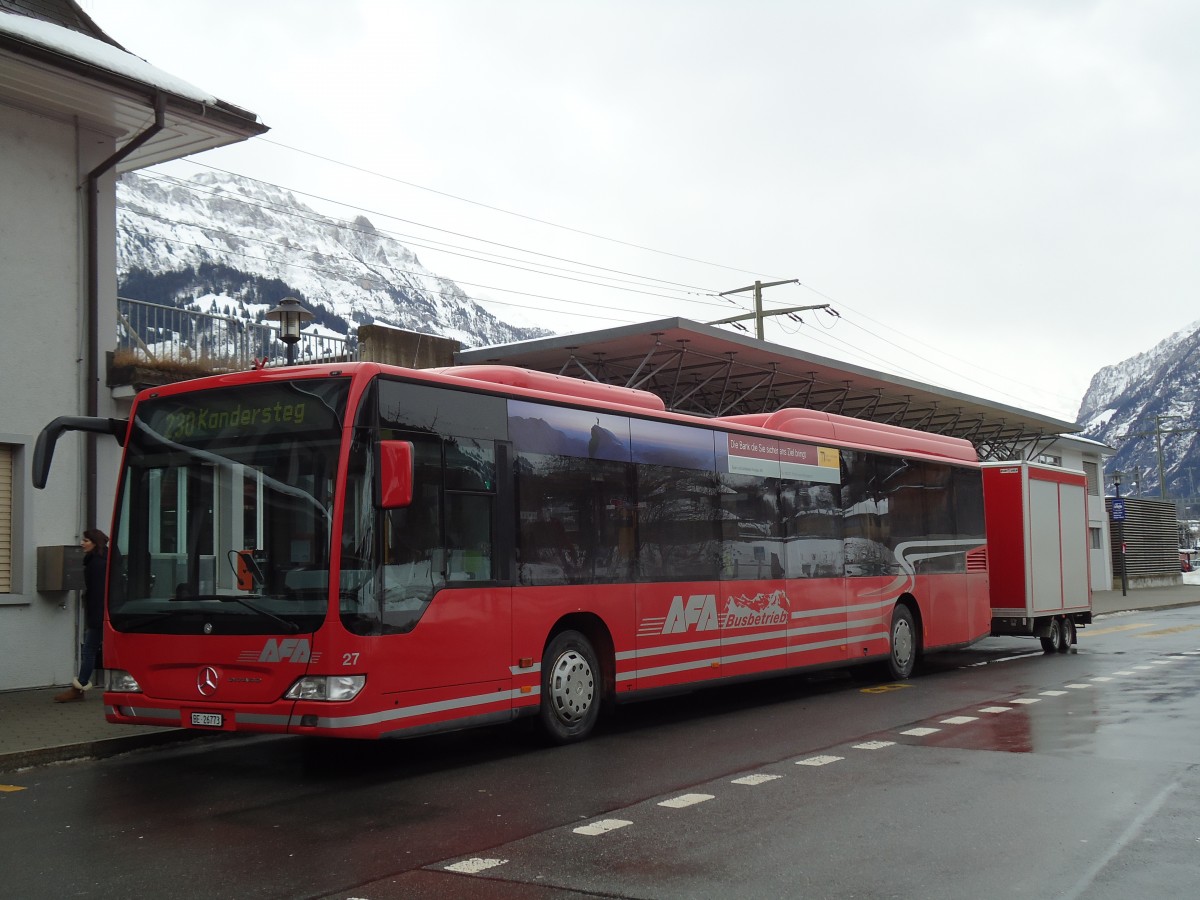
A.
x: 291, y: 316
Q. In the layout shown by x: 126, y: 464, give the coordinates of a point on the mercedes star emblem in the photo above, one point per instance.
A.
x: 206, y: 681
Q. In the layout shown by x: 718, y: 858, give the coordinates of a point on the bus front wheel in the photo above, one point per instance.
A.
x: 902, y: 656
x: 571, y: 688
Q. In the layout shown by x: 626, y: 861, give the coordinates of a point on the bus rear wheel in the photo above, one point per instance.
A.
x: 902, y: 656
x: 572, y: 688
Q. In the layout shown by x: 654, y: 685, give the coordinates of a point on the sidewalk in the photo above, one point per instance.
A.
x: 34, y: 730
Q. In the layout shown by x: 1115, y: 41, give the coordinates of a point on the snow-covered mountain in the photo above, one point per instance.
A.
x: 1153, y: 395
x: 226, y: 244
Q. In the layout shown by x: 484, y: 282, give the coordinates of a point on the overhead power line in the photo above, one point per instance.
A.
x: 350, y: 227
x: 226, y: 251
x: 690, y: 290
x: 506, y: 212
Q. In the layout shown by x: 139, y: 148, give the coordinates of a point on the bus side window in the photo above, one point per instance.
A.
x: 469, y: 537
x: 469, y: 506
x: 412, y: 553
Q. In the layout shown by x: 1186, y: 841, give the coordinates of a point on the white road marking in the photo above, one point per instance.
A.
x: 755, y: 779
x: 475, y: 865
x: 819, y: 760
x: 686, y: 800
x: 1149, y: 811
x: 602, y: 827
x: 988, y: 662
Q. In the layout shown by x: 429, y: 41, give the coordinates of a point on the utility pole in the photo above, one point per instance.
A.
x: 1118, y: 517
x: 758, y: 315
x: 1158, y: 433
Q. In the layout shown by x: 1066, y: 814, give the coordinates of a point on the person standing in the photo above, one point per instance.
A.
x: 95, y: 565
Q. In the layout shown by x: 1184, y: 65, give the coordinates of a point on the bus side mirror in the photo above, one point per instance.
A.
x: 395, y: 470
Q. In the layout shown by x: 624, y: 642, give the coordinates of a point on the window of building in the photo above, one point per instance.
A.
x: 1049, y: 459
x: 1097, y: 536
x: 6, y: 517
x: 1092, y: 471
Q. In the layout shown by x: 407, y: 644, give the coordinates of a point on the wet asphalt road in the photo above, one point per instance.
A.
x: 998, y: 772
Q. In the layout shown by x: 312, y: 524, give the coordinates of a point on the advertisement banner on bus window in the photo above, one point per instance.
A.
x: 770, y: 458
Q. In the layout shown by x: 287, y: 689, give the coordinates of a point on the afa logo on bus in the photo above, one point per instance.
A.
x: 294, y: 650
x: 700, y: 612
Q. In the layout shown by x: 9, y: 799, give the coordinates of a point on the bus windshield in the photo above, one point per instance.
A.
x: 225, y: 507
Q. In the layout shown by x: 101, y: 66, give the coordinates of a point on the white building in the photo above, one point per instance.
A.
x: 76, y: 110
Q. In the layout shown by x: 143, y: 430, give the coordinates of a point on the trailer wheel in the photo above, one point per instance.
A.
x: 571, y: 688
x: 1052, y: 641
x: 1066, y: 632
x: 902, y: 657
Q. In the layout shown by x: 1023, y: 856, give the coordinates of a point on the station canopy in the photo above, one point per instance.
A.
x: 706, y: 371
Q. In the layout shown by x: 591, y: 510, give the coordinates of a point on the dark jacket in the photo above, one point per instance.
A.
x: 94, y: 566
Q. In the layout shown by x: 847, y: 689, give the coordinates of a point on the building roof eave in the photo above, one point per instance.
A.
x: 48, y: 79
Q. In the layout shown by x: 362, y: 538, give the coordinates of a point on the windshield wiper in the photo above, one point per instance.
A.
x: 148, y: 618
x: 152, y: 617
x: 291, y: 627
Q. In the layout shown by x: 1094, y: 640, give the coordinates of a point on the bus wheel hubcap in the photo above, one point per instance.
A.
x: 571, y: 686
x: 902, y: 642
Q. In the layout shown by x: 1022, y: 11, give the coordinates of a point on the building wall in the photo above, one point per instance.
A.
x: 43, y: 163
x: 397, y: 347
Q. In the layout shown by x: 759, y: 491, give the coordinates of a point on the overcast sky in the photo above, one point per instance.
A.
x: 999, y: 198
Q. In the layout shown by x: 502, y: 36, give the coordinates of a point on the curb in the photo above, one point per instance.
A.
x: 100, y: 749
x: 1146, y: 609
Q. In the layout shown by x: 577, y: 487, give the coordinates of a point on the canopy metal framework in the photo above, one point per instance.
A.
x: 705, y: 371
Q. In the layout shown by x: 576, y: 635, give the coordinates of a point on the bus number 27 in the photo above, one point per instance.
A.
x: 349, y: 659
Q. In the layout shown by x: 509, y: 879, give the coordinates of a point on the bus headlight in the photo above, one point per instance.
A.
x: 338, y: 688
x: 121, y: 682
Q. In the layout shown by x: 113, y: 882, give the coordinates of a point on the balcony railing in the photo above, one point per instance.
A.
x: 152, y: 335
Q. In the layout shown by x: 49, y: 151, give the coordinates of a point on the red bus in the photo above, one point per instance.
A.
x: 367, y: 551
